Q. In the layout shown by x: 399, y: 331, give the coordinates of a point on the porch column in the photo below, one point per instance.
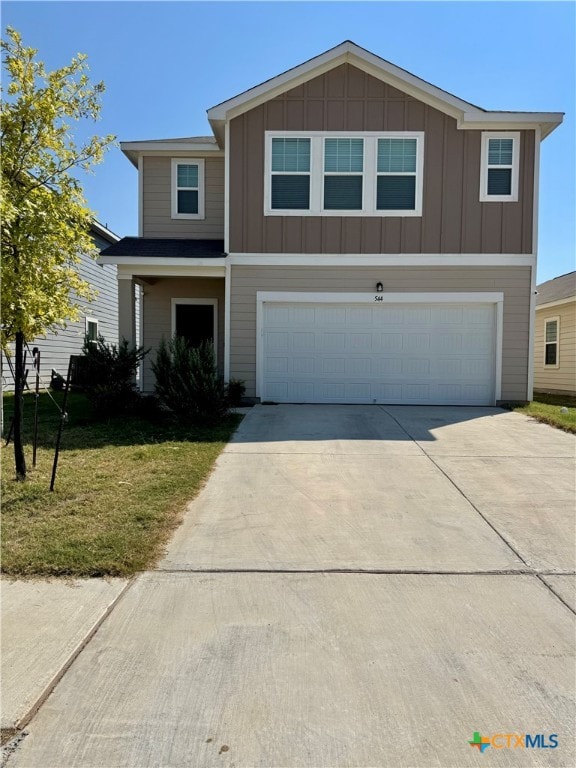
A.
x: 127, y: 310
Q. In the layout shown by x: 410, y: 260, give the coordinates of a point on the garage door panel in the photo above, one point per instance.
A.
x: 388, y: 354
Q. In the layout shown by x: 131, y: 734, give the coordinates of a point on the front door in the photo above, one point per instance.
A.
x: 195, y: 322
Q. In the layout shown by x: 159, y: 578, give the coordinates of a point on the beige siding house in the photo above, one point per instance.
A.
x: 555, y: 336
x: 350, y: 233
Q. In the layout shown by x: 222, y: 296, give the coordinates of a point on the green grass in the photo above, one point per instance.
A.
x: 547, y: 408
x: 121, y: 489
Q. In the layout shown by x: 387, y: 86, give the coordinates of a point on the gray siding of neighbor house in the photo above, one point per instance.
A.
x: 157, y: 314
x: 514, y: 282
x: 157, y: 210
x: 562, y: 378
x: 56, y: 348
x: 347, y: 99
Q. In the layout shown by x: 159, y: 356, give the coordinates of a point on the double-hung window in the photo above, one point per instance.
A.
x: 500, y: 160
x: 551, y: 342
x: 290, y: 183
x: 396, y: 183
x: 187, y: 189
x: 343, y: 174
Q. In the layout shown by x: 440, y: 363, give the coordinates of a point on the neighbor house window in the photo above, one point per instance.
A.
x: 343, y: 174
x: 91, y: 330
x: 551, y: 334
x: 500, y: 158
x: 187, y: 189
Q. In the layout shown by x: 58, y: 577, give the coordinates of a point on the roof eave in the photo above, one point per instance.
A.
x: 546, y: 121
x: 133, y: 149
x: 104, y: 232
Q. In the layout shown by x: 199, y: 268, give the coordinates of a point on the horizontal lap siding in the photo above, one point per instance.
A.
x: 514, y: 282
x: 562, y: 378
x: 157, y: 211
x: 346, y: 99
x: 56, y: 348
x: 157, y: 314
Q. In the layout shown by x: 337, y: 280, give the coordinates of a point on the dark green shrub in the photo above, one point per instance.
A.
x: 107, y: 374
x: 235, y: 391
x: 187, y: 381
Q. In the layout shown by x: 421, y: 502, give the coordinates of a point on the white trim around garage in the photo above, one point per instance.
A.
x: 496, y: 298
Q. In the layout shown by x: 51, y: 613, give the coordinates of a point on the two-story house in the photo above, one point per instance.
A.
x: 349, y: 234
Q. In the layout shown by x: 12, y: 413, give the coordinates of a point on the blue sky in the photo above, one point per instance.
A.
x: 166, y: 63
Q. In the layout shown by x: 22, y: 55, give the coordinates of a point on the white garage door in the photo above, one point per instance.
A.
x: 378, y: 353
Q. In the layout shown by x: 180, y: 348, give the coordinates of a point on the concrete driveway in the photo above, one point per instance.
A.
x: 354, y: 586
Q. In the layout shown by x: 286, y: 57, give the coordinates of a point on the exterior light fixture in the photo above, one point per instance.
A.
x: 379, y: 287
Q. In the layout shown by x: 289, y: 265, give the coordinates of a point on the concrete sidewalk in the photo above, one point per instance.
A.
x: 354, y: 586
x: 45, y: 624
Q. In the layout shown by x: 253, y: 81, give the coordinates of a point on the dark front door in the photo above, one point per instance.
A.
x: 195, y: 322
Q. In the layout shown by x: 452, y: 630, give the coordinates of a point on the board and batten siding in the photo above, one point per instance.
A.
x: 563, y: 378
x: 347, y: 99
x: 157, y: 314
x: 156, y: 200
x: 56, y: 348
x: 514, y: 282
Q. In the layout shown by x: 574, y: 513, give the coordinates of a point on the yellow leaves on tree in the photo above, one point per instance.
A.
x: 45, y: 218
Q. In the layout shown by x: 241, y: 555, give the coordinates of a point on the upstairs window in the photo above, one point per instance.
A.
x: 187, y: 189
x: 551, y: 342
x: 290, y: 174
x: 499, y: 167
x: 396, y: 185
x: 343, y: 174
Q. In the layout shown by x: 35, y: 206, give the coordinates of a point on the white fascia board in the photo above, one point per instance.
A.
x: 382, y: 260
x: 136, y: 149
x: 545, y: 122
x: 550, y: 304
x: 135, y: 262
x: 168, y: 146
x: 126, y: 271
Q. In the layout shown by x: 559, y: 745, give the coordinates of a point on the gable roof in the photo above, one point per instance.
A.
x: 467, y: 115
x: 557, y: 289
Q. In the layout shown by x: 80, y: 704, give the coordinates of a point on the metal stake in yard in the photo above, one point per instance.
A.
x: 63, y: 418
x: 36, y: 359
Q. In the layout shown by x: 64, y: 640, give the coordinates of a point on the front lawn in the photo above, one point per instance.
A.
x: 548, y: 408
x: 121, y: 489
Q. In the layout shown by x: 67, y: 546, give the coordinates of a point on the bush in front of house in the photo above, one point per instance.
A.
x: 107, y: 375
x: 188, y: 383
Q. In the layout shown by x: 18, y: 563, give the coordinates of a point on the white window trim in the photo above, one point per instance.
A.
x: 92, y: 320
x: 370, y: 174
x: 513, y: 196
x: 557, y: 342
x: 203, y: 302
x: 176, y: 161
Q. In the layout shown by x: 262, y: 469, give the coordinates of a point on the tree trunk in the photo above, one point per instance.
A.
x: 19, y: 457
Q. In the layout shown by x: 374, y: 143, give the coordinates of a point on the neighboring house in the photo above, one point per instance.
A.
x: 349, y: 234
x: 555, y: 336
x: 99, y: 317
